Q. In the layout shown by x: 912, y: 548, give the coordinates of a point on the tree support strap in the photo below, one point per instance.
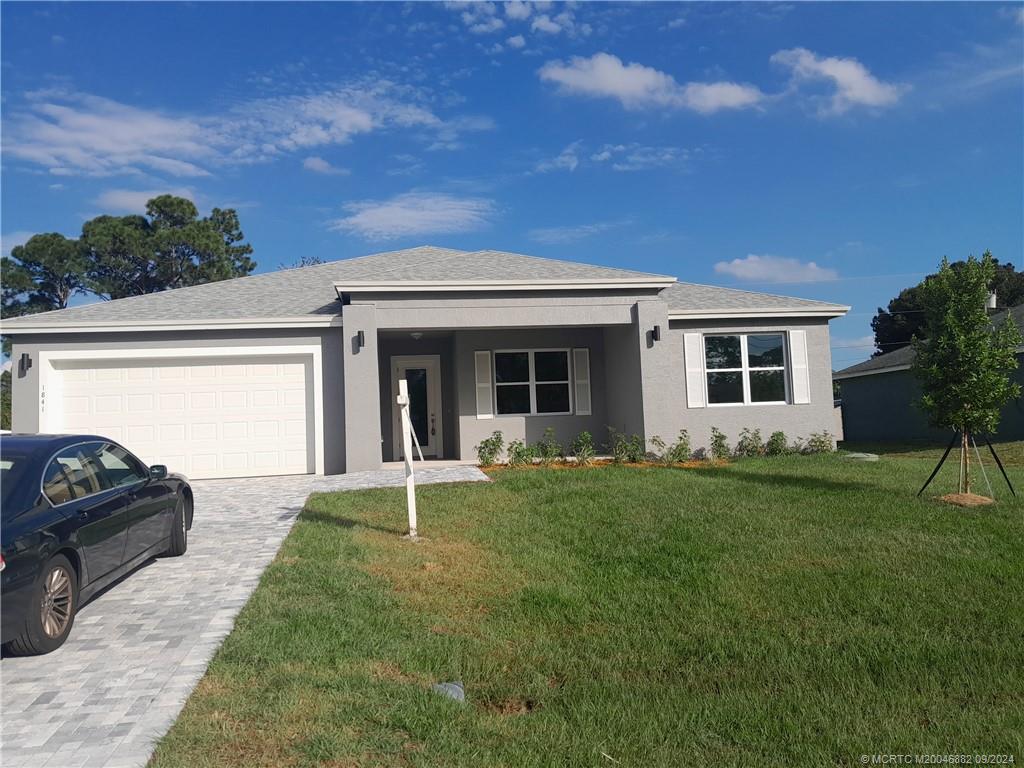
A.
x: 1000, y: 465
x: 943, y: 461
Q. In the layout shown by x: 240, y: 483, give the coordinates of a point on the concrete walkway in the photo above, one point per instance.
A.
x: 138, y: 649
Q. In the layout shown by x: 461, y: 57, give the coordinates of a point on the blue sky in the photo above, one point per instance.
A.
x: 834, y: 151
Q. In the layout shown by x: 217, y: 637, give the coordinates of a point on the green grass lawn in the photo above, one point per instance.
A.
x: 790, y: 611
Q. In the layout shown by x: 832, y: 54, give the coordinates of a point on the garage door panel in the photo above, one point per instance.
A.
x: 204, y: 418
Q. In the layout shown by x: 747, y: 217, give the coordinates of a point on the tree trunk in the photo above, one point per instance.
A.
x: 965, y: 463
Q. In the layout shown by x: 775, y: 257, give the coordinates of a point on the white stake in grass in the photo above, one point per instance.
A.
x: 408, y: 437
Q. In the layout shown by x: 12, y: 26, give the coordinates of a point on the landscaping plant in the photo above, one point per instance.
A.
x: 519, y: 453
x: 489, y: 449
x: 548, y: 450
x: 965, y: 360
x: 750, y: 443
x: 820, y: 442
x: 583, y: 449
x: 719, y: 448
x: 776, y: 445
x: 626, y: 450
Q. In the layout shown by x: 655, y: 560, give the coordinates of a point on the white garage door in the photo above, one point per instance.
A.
x: 216, y: 417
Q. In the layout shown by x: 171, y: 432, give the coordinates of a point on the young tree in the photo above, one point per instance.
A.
x: 965, y: 360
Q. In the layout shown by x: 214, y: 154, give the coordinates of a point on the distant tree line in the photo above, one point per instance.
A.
x: 118, y: 256
x: 906, y: 315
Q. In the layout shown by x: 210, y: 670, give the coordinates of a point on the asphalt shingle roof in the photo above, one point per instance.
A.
x: 684, y: 297
x: 904, y: 356
x: 309, y: 291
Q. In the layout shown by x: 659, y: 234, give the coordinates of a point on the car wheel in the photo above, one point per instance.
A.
x: 179, y: 530
x: 51, y: 611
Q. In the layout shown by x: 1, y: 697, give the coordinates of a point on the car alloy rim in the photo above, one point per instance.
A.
x: 55, y: 610
x: 184, y: 528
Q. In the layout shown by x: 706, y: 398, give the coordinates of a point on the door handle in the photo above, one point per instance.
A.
x: 433, y: 431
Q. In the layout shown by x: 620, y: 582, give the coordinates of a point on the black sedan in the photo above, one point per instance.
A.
x: 79, y: 512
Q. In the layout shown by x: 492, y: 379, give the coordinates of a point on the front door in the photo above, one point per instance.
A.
x: 423, y: 374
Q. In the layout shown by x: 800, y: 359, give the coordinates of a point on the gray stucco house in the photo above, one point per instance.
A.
x: 296, y: 371
x: 879, y: 397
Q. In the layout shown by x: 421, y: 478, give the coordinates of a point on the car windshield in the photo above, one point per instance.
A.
x: 12, y: 471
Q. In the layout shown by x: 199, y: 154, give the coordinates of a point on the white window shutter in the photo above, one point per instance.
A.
x: 799, y: 369
x: 581, y: 375
x: 484, y: 403
x: 694, y: 360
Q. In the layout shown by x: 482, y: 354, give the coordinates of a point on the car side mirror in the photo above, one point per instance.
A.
x: 157, y: 472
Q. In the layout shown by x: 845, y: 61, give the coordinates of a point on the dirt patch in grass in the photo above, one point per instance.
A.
x: 448, y: 578
x: 386, y: 670
x: 967, y: 499
x: 511, y: 707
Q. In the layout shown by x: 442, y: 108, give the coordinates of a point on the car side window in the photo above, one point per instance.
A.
x: 56, y: 486
x: 83, y: 470
x: 120, y: 466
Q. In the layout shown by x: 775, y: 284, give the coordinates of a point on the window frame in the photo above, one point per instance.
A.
x: 532, y: 382
x: 745, y: 369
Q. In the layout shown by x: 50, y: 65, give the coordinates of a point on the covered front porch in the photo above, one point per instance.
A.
x: 466, y: 384
x: 516, y: 363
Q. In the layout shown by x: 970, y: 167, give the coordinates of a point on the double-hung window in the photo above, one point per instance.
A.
x: 745, y: 368
x: 532, y: 382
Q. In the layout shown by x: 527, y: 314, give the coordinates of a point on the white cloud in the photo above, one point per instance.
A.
x: 775, y: 269
x: 516, y: 41
x: 134, y: 200
x: 487, y: 26
x: 414, y: 213
x: 567, y: 160
x: 79, y: 134
x: 82, y: 134
x: 319, y: 165
x: 560, y: 235
x: 637, y: 157
x: 637, y: 86
x: 854, y: 85
x: 12, y: 240
x: 675, y: 23
x: 517, y: 10
x: 543, y: 23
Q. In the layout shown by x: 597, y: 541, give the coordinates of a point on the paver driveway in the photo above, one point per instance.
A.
x: 137, y: 650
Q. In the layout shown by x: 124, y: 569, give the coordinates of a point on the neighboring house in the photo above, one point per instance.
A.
x: 880, y: 398
x: 296, y: 371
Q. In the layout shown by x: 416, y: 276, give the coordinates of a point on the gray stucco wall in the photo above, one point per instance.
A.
x: 880, y: 408
x: 403, y: 344
x: 794, y: 420
x: 529, y: 428
x: 25, y: 388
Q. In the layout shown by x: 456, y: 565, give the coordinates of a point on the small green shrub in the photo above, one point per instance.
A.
x: 659, y: 450
x: 519, y: 453
x: 488, y: 451
x: 583, y: 449
x: 547, y: 449
x: 626, y: 450
x: 820, y: 442
x: 719, y: 448
x: 679, y: 450
x: 671, y: 454
x: 750, y: 443
x: 776, y: 445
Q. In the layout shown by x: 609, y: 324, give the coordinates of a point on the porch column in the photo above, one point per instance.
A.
x: 661, y: 370
x: 362, y: 388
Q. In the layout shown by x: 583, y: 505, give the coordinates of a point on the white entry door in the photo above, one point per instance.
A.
x: 423, y: 374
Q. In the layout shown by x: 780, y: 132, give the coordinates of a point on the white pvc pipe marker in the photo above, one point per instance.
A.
x: 407, y: 437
